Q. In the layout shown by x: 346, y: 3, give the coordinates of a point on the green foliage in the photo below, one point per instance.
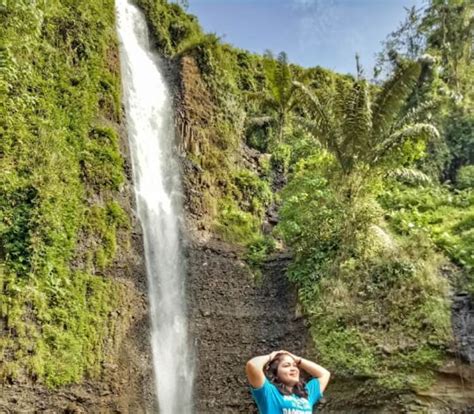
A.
x: 465, y: 177
x: 279, y: 98
x: 259, y: 250
x: 259, y: 136
x: 440, y: 35
x: 253, y: 193
x: 280, y: 159
x: 101, y: 161
x: 240, y: 214
x: 303, y: 146
x: 59, y: 151
x: 378, y: 307
x: 437, y: 214
x: 235, y: 225
x: 365, y: 130
x: 172, y: 26
x: 72, y: 338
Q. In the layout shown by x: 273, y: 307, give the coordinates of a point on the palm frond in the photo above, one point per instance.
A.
x: 318, y: 108
x: 357, y: 124
x: 392, y: 97
x: 414, y: 132
x: 415, y: 114
x: 410, y: 176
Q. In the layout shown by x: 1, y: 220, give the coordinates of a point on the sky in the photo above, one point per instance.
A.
x: 327, y: 33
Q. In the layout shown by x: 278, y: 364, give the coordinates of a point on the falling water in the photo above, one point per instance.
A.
x: 157, y: 189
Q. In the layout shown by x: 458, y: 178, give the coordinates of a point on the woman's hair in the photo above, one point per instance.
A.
x: 271, y: 371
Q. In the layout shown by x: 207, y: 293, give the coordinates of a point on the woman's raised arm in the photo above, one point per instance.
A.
x: 315, y: 370
x: 254, y: 369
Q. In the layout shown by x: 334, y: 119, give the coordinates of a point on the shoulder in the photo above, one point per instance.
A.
x: 265, y: 390
x: 314, y: 390
x: 267, y: 397
x: 267, y: 385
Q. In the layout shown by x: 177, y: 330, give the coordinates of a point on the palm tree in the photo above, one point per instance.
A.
x: 281, y: 96
x: 361, y: 128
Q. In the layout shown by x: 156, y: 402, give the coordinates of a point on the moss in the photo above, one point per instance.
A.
x: 235, y: 225
x: 253, y: 193
x: 101, y: 161
x: 61, y: 78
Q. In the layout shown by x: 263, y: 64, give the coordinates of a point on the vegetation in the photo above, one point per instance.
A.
x: 280, y: 96
x: 354, y: 235
x: 369, y: 224
x: 364, y: 132
x: 61, y: 172
x: 436, y: 215
x: 378, y: 202
x: 358, y: 283
x: 440, y: 33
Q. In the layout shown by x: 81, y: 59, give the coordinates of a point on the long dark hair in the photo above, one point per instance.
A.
x: 271, y: 371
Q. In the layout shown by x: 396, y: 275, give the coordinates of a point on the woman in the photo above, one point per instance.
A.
x: 277, y: 387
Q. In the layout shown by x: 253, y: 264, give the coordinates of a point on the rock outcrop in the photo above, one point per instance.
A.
x: 234, y: 316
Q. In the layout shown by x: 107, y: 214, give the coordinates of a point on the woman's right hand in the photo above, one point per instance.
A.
x: 272, y: 355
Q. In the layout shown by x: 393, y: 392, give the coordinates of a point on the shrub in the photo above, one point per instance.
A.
x: 377, y: 309
x: 253, y: 193
x: 280, y: 159
x: 235, y: 225
x: 465, y: 177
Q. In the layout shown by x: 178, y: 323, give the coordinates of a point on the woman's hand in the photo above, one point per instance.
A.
x: 272, y: 355
x: 297, y: 359
x: 254, y: 368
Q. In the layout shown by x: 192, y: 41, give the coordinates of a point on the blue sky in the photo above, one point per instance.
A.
x: 312, y: 32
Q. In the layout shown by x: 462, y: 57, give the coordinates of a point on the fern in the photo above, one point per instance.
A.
x: 410, y: 176
x: 414, y: 132
x: 391, y: 99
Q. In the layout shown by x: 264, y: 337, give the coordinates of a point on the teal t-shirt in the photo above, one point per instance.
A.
x: 271, y: 401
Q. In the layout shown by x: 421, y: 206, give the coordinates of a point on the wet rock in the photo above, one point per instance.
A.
x: 463, y: 325
x: 247, y: 319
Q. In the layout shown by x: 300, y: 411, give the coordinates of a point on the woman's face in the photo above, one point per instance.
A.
x: 288, y: 372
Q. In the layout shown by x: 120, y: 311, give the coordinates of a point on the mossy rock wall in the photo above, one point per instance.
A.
x: 72, y: 281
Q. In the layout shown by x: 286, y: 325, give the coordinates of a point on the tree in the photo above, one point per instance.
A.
x: 448, y: 26
x: 443, y: 29
x: 281, y: 95
x: 362, y: 129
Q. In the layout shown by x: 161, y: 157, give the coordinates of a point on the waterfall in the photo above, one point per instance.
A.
x: 157, y: 188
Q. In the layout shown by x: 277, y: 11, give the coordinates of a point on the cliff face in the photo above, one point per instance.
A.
x: 125, y: 383
x: 234, y: 316
x: 73, y: 308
